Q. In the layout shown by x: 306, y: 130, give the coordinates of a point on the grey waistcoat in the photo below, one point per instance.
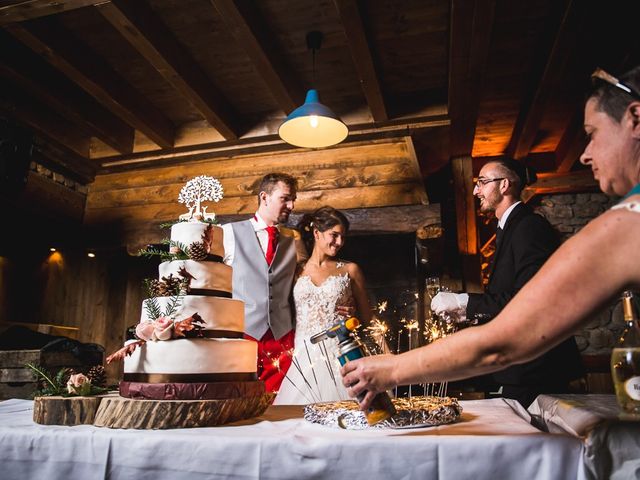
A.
x: 265, y: 291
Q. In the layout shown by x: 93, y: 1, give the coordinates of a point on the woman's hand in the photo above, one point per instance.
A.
x: 345, y: 310
x: 372, y: 375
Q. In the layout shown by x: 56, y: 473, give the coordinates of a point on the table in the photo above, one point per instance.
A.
x: 611, y: 437
x: 491, y: 441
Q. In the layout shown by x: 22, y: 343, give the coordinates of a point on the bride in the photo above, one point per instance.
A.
x: 325, y: 289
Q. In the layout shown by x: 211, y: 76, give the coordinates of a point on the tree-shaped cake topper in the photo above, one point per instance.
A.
x: 196, y: 191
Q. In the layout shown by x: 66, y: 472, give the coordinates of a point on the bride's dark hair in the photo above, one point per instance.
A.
x: 322, y: 220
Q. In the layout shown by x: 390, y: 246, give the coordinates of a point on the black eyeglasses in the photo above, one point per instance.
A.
x: 481, y: 182
x: 611, y: 80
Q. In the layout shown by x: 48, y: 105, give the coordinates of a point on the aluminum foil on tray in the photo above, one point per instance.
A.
x: 412, y: 412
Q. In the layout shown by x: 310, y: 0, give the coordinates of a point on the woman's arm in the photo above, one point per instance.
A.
x: 582, y: 276
x: 358, y: 287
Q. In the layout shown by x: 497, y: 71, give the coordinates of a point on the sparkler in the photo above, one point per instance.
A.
x: 411, y: 326
x: 437, y: 327
x: 378, y: 331
x: 382, y: 306
x: 296, y: 364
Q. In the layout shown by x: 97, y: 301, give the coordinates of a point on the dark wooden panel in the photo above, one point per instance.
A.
x: 146, y: 33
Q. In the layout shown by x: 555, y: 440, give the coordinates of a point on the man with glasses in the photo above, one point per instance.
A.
x: 524, y: 241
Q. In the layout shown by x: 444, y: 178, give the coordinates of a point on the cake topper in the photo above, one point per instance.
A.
x: 196, y: 191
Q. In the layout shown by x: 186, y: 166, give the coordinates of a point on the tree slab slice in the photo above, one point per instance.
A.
x: 65, y: 410
x: 118, y: 412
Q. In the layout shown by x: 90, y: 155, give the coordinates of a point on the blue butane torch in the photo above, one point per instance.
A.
x: 350, y: 348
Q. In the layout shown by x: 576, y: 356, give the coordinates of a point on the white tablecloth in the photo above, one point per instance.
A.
x: 611, y: 437
x: 489, y: 442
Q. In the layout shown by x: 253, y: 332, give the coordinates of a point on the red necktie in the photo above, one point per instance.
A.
x: 271, y: 244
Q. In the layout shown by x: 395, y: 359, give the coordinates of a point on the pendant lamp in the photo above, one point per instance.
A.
x: 313, y: 125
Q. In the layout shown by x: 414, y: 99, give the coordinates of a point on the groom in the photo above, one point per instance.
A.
x: 264, y: 257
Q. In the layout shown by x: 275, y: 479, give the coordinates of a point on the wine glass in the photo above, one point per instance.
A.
x: 433, y: 286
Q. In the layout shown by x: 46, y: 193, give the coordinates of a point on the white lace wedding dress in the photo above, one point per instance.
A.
x: 314, y: 374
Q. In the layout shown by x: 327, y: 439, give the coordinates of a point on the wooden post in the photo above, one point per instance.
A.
x: 465, y: 207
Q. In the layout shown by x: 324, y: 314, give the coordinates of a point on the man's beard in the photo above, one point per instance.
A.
x: 283, y: 217
x: 486, y: 206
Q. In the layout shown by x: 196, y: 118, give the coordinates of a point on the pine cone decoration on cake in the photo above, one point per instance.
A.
x: 172, y: 284
x: 198, y: 251
x: 98, y: 376
x: 153, y: 287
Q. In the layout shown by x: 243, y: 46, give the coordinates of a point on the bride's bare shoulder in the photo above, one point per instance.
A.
x: 351, y: 268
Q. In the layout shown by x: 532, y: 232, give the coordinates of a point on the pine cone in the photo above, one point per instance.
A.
x: 198, y: 251
x: 162, y: 290
x: 172, y: 284
x: 154, y: 286
x: 97, y: 376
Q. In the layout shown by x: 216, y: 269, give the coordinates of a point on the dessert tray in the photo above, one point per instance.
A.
x: 414, y: 412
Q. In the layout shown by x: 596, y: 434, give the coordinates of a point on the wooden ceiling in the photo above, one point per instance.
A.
x: 113, y: 86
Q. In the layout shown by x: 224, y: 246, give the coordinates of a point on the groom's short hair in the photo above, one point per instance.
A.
x: 270, y: 180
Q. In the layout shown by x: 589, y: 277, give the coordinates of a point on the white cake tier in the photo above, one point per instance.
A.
x: 206, y: 275
x: 217, y: 313
x: 190, y: 232
x: 194, y: 356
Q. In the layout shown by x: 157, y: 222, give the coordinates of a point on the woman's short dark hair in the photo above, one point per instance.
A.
x: 322, y: 220
x: 613, y: 100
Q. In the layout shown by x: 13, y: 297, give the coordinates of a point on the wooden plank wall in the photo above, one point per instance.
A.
x: 376, y: 174
x: 101, y: 296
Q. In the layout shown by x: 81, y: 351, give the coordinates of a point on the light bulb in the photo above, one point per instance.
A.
x: 313, y: 121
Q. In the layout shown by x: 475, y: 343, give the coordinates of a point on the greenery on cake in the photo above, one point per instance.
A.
x: 175, y: 251
x: 154, y: 311
x: 197, y: 251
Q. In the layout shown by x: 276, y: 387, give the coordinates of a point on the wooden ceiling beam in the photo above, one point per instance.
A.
x: 248, y: 31
x: 571, y: 144
x: 470, y: 36
x: 269, y: 143
x: 361, y: 55
x: 531, y: 112
x: 43, y: 82
x: 20, y: 106
x: 570, y: 182
x: 14, y: 11
x: 146, y: 33
x: 60, y: 159
x: 54, y: 44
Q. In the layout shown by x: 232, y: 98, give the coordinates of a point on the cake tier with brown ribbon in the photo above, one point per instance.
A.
x: 191, y: 391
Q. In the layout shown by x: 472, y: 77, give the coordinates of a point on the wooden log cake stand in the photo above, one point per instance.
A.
x: 119, y: 412
x: 66, y: 410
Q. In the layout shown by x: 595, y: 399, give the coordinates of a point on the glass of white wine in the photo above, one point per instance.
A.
x: 433, y: 286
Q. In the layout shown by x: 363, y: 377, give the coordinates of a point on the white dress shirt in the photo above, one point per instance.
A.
x: 502, y: 221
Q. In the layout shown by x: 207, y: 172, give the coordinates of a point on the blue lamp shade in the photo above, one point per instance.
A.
x: 313, y: 125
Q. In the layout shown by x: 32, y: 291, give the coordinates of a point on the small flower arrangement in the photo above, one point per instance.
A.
x: 67, y: 383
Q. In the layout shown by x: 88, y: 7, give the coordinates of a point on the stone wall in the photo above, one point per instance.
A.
x: 568, y: 213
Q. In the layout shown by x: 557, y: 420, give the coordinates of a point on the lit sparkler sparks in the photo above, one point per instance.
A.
x: 382, y: 306
x: 378, y: 330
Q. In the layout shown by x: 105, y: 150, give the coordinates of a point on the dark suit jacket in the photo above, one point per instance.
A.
x: 527, y: 242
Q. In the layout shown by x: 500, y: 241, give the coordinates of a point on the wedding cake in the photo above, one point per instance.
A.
x: 189, y: 342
